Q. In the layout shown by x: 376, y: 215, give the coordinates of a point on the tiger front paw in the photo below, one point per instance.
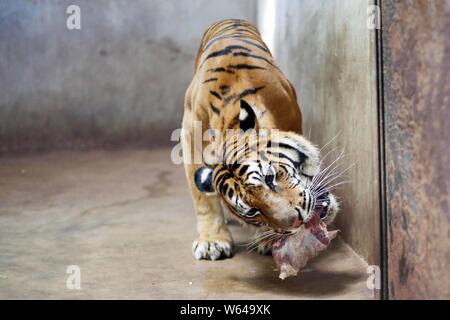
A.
x: 212, y: 248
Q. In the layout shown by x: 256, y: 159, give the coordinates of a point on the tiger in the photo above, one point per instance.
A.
x: 238, y: 86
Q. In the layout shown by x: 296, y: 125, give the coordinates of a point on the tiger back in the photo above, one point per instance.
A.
x: 233, y: 63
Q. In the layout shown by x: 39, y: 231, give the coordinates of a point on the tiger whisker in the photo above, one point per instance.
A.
x: 256, y: 240
x: 319, y: 177
x: 331, y: 140
x: 327, y: 182
x: 333, y: 175
x: 265, y: 241
x: 323, y: 160
x: 333, y: 187
x: 261, y: 236
x: 326, y: 155
x: 254, y: 245
x: 268, y: 236
x: 331, y: 172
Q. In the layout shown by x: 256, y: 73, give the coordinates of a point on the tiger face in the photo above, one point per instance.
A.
x: 268, y: 179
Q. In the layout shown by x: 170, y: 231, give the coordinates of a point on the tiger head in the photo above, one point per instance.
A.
x: 268, y: 178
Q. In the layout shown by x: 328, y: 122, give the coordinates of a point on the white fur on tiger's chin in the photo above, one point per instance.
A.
x: 292, y: 253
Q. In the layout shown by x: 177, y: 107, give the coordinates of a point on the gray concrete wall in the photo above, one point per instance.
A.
x: 326, y: 49
x: 118, y: 80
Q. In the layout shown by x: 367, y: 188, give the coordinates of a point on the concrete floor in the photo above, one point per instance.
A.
x: 126, y: 219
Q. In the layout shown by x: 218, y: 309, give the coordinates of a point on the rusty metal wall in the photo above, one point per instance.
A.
x: 416, y: 60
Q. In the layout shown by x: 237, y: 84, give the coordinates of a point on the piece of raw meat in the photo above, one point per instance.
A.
x: 291, y: 253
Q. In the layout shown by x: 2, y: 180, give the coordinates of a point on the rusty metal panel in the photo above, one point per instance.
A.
x: 416, y: 60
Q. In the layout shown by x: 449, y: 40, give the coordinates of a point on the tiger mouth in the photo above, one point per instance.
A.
x: 318, y: 215
x: 315, y: 226
x: 321, y: 211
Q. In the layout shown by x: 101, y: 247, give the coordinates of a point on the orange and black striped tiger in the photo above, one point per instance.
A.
x: 238, y: 85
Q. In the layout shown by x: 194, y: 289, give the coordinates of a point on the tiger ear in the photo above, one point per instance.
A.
x: 247, y: 117
x: 203, y: 179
